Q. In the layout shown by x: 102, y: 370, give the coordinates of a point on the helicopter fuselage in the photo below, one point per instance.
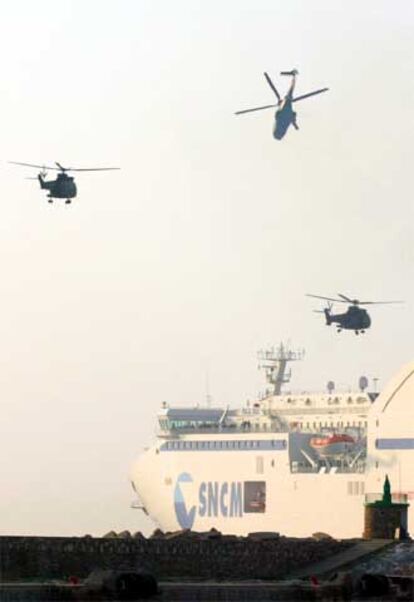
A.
x: 63, y: 187
x: 355, y: 318
x: 284, y: 117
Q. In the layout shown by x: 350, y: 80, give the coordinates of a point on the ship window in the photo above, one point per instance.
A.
x: 259, y: 465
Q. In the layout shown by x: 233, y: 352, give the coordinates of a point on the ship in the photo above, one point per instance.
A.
x: 288, y: 463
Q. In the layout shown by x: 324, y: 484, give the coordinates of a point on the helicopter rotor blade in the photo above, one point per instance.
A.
x: 357, y: 302
x: 347, y: 299
x: 271, y: 84
x: 378, y: 302
x: 92, y: 169
x: 42, y: 167
x: 326, y: 298
x: 256, y: 109
x: 309, y: 94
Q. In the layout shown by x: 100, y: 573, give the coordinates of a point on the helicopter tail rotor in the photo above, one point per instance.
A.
x: 272, y: 85
x: 327, y: 312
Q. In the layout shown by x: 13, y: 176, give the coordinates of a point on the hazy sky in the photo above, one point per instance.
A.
x: 200, y: 250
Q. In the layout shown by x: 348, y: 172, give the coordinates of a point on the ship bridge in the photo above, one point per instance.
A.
x: 173, y: 419
x: 177, y: 421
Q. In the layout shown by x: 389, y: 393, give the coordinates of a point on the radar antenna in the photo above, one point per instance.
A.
x: 275, y: 361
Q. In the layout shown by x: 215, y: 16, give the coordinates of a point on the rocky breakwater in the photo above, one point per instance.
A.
x: 167, y: 556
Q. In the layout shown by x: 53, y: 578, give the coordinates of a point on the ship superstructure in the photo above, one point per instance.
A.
x: 293, y: 463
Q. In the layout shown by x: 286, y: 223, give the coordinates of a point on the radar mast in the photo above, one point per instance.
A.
x: 275, y: 361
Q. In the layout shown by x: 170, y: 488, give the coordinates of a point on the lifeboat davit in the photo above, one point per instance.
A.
x: 332, y: 445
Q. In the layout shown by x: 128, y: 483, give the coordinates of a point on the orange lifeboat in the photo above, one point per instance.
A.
x: 332, y: 445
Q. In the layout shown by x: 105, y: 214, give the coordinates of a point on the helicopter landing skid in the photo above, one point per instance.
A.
x: 68, y: 202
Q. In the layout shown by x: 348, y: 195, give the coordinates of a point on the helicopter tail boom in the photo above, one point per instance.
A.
x: 293, y: 72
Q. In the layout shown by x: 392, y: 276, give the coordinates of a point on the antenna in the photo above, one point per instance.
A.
x: 274, y: 362
x: 208, y: 396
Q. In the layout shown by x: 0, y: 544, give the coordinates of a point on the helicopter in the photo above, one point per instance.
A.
x: 355, y: 318
x: 285, y: 115
x: 64, y: 186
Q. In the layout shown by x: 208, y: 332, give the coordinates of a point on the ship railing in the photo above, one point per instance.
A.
x: 228, y: 429
x: 396, y: 498
x: 298, y: 469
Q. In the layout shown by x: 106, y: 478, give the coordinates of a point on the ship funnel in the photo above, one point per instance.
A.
x: 363, y: 383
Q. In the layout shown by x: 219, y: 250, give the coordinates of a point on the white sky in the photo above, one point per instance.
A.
x: 200, y: 251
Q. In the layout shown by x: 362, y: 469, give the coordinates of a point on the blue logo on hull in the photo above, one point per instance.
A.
x: 185, y: 517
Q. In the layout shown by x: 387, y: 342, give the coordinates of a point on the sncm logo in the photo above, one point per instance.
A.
x: 224, y: 500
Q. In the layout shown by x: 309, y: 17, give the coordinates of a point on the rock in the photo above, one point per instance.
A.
x: 183, y: 534
x: 213, y: 534
x: 125, y: 534
x: 320, y: 536
x: 139, y: 535
x: 119, y: 585
x: 157, y: 534
x: 263, y: 535
x: 229, y: 538
x: 110, y: 535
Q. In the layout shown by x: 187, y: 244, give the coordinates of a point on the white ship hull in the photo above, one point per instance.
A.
x: 240, y: 483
